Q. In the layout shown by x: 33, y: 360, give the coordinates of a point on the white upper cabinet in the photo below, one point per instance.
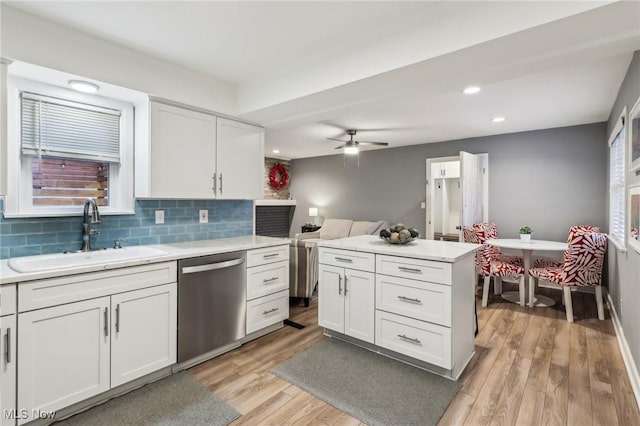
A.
x: 195, y: 155
x: 240, y: 160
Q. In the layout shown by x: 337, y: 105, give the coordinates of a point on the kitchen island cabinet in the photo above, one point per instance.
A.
x: 417, y: 306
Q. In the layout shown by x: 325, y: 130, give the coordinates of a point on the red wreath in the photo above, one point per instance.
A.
x: 278, y: 177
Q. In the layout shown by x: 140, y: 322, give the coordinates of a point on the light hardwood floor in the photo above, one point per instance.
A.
x: 531, y: 368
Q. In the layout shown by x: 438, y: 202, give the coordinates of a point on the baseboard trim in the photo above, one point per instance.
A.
x: 634, y: 377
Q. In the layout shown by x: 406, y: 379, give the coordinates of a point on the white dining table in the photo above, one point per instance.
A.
x: 527, y: 251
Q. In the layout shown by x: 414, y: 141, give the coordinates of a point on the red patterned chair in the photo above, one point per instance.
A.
x: 491, y: 263
x: 582, y: 266
x: 574, y: 231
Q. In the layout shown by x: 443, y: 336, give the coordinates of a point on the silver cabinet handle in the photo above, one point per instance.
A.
x: 7, y: 346
x: 118, y: 318
x: 346, y: 280
x: 339, y: 284
x: 215, y: 188
x: 220, y: 183
x: 106, y: 322
x: 409, y: 339
x: 268, y: 256
x: 412, y: 270
x: 270, y: 311
x: 269, y: 280
x: 343, y: 259
x: 409, y: 299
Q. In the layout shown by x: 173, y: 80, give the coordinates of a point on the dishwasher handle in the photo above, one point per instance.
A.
x: 212, y: 266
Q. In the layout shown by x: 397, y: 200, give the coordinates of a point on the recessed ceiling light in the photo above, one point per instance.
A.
x: 276, y: 151
x: 471, y: 90
x: 498, y: 119
x: 83, y: 86
x: 351, y: 150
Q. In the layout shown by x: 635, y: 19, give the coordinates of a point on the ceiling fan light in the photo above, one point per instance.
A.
x: 351, y: 150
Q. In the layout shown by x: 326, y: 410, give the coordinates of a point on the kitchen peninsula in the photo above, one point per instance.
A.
x: 413, y: 302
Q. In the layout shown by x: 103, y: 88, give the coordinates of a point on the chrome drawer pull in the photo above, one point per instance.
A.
x: 343, y: 259
x: 409, y: 299
x: 106, y: 322
x: 339, y: 284
x: 269, y: 311
x: 269, y: 280
x: 267, y: 256
x: 7, y: 346
x: 409, y: 339
x: 345, y: 285
x: 118, y: 318
x: 412, y: 270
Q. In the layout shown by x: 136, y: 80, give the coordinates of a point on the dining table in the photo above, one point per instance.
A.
x: 527, y: 248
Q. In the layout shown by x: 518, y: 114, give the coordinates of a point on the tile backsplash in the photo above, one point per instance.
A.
x: 32, y: 236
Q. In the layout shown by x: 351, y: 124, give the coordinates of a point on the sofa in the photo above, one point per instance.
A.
x: 303, y: 271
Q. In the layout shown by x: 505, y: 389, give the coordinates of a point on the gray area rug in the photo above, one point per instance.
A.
x: 175, y: 400
x: 370, y: 387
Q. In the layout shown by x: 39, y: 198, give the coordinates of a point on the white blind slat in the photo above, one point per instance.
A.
x: 617, y: 186
x: 59, y: 128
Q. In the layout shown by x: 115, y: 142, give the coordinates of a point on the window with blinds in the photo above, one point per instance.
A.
x: 617, y: 185
x: 71, y: 146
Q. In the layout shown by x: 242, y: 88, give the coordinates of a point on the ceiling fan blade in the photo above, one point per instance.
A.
x: 339, y: 147
x: 338, y: 140
x: 373, y: 143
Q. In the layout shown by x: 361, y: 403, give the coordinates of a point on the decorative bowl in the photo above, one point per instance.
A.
x: 399, y: 234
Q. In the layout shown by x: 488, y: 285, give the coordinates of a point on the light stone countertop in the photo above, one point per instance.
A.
x: 173, y: 251
x: 442, y: 251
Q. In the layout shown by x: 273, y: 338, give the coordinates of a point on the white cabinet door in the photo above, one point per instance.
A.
x: 240, y: 160
x: 143, y: 332
x: 359, y: 289
x: 451, y: 169
x: 8, y: 370
x: 330, y: 298
x: 64, y: 355
x: 182, y: 153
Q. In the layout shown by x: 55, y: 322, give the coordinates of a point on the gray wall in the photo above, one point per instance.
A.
x: 548, y: 179
x: 624, y: 268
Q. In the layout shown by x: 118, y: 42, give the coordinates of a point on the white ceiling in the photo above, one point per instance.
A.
x: 308, y: 70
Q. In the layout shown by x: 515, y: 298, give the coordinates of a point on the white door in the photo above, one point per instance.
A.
x: 359, y: 289
x: 64, y: 355
x: 8, y: 370
x: 473, y: 189
x: 331, y: 298
x: 240, y: 160
x: 183, y: 155
x: 143, y: 332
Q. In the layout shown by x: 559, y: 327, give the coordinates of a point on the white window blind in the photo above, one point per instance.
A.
x: 65, y: 129
x: 616, y: 186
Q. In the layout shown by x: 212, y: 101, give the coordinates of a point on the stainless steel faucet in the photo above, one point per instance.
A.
x: 87, y: 232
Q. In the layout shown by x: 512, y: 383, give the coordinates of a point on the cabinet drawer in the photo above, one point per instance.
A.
x: 8, y: 299
x: 415, y: 269
x: 57, y: 291
x: 418, y: 339
x: 267, y: 279
x: 267, y: 310
x: 267, y: 255
x: 347, y: 259
x: 416, y: 299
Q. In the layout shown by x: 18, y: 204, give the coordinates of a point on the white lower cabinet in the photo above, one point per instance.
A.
x: 265, y: 311
x: 143, y: 332
x: 346, y: 300
x: 8, y: 372
x: 64, y: 355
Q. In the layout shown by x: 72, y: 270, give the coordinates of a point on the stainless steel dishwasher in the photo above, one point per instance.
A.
x: 211, y: 303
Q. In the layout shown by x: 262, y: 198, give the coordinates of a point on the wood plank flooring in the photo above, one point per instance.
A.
x: 531, y: 368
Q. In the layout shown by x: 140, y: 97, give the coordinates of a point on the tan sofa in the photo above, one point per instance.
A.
x: 304, y: 253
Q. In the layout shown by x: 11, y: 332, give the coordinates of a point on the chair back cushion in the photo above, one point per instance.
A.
x: 335, y: 228
x: 584, y: 259
x: 359, y: 227
x: 575, y: 231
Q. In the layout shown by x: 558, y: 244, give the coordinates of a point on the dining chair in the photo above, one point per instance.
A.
x: 574, y: 231
x: 582, y: 266
x: 491, y: 263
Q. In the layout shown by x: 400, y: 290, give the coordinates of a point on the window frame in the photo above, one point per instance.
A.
x: 621, y: 125
x: 18, y: 201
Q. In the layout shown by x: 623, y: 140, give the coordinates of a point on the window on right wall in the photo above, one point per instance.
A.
x: 617, y: 145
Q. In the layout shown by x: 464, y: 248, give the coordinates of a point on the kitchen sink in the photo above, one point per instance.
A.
x: 50, y: 262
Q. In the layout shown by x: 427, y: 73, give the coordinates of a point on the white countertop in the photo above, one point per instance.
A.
x: 443, y: 251
x: 173, y: 251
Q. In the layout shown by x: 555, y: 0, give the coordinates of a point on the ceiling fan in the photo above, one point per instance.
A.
x: 351, y: 147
